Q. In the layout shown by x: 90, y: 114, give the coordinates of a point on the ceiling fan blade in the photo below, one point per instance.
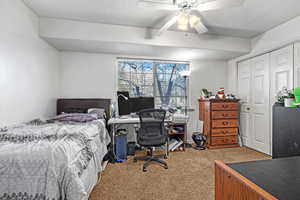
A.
x: 219, y: 4
x: 169, y: 21
x: 158, y: 5
x: 200, y: 27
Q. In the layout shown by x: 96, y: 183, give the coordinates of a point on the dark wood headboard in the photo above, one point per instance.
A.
x: 82, y: 105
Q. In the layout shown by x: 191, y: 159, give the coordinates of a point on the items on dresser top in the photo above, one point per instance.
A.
x: 221, y: 122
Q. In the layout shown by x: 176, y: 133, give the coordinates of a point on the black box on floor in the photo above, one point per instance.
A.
x: 131, y: 148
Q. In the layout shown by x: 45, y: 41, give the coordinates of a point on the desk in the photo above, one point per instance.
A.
x: 267, y: 179
x: 113, y: 122
x: 128, y: 120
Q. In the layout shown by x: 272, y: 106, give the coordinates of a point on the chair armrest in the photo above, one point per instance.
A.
x: 167, y: 126
x: 136, y: 128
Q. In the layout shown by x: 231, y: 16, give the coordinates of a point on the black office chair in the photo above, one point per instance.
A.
x: 152, y: 133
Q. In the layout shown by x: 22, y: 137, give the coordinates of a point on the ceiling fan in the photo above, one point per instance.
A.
x: 187, y: 12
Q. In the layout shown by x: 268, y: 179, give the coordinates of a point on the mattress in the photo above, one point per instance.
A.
x: 51, y: 161
x: 89, y: 177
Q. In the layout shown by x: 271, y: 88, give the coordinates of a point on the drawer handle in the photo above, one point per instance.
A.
x: 225, y: 132
x: 225, y: 106
x: 225, y: 115
x: 225, y: 123
x: 225, y: 140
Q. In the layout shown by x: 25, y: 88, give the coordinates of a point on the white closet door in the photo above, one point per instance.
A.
x: 244, y: 93
x: 297, y: 65
x: 253, y: 90
x: 282, y: 72
x: 259, y: 111
x: 259, y: 80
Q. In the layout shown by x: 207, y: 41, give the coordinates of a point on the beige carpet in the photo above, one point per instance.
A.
x: 190, y: 176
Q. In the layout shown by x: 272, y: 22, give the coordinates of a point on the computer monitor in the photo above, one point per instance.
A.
x: 123, y: 102
x: 140, y: 103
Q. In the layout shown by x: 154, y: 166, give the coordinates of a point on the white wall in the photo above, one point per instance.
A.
x: 28, y: 66
x: 95, y: 75
x: 232, y: 77
x: 205, y: 74
x: 279, y: 36
x: 86, y: 75
x: 275, y: 38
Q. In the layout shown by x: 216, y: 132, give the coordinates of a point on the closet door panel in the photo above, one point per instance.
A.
x: 282, y: 70
x: 282, y: 74
x: 297, y: 65
x: 245, y: 128
x: 260, y: 104
x: 244, y: 84
x: 244, y: 93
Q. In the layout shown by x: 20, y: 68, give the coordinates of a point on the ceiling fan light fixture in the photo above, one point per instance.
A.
x: 194, y: 20
x: 200, y: 27
x: 186, y: 16
x: 183, y: 21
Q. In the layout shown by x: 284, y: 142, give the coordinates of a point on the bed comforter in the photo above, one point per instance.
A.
x: 45, y: 162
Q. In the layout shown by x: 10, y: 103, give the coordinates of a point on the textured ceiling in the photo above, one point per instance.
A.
x: 253, y: 18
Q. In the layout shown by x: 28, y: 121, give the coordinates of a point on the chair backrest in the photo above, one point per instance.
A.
x: 152, y: 131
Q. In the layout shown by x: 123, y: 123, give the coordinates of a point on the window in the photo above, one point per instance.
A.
x: 161, y: 80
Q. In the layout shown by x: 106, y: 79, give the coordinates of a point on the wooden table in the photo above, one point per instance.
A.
x: 277, y: 179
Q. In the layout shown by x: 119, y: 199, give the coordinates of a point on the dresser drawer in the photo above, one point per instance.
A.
x: 224, y: 140
x: 224, y: 132
x: 224, y: 114
x: 225, y: 123
x: 224, y: 106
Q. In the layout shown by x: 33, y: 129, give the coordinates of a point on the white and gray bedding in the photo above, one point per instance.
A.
x: 50, y: 161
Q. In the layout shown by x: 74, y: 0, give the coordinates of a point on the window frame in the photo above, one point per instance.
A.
x: 155, y: 93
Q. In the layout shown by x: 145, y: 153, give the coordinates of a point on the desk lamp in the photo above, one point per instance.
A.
x: 185, y: 75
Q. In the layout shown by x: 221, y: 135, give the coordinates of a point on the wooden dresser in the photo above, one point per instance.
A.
x: 221, y: 122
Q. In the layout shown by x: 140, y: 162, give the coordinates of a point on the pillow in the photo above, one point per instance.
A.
x: 100, y: 112
x: 36, y: 122
x: 75, y: 117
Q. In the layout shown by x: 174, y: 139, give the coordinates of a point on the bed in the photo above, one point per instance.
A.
x: 54, y: 161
